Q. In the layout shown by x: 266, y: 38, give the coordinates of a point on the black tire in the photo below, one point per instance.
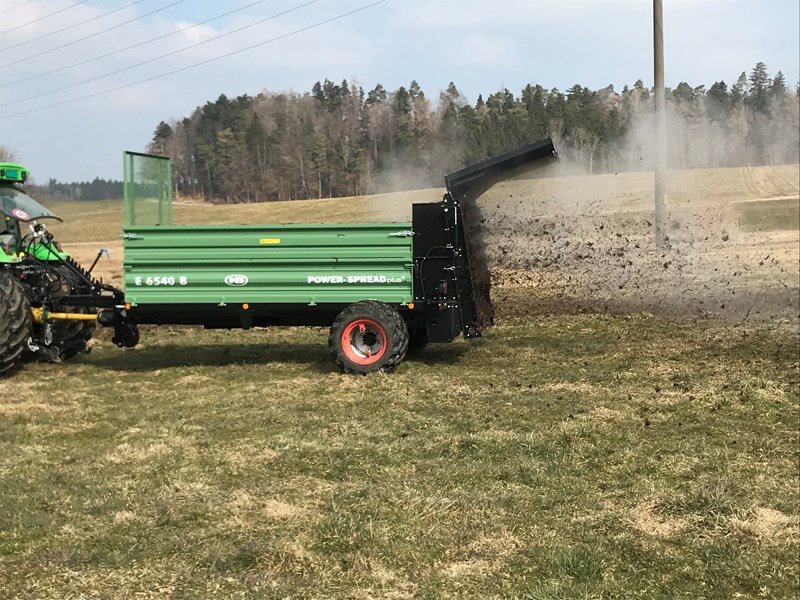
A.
x: 355, y: 338
x: 417, y: 340
x: 15, y: 323
x: 71, y: 337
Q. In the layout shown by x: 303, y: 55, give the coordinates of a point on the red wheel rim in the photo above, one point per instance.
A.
x: 363, y: 342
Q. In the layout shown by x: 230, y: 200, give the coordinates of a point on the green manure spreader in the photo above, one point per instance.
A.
x: 382, y: 288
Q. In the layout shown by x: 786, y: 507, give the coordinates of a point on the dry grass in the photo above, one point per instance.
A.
x: 216, y: 464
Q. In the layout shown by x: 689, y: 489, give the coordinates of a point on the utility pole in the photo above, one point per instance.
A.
x: 660, y: 122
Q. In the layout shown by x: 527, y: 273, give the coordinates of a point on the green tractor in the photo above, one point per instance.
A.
x: 40, y: 284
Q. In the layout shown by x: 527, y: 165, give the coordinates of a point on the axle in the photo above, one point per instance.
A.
x: 42, y: 315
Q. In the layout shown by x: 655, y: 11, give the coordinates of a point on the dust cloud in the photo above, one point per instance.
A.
x: 586, y: 243
x: 559, y: 240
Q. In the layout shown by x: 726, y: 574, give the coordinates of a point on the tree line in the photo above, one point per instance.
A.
x: 339, y: 139
x: 97, y: 189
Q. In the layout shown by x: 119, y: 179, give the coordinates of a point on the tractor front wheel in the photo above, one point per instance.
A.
x: 72, y: 337
x: 367, y: 337
x: 15, y: 322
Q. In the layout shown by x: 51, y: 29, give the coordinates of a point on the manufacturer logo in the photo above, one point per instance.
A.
x: 354, y: 279
x: 20, y: 214
x: 236, y: 280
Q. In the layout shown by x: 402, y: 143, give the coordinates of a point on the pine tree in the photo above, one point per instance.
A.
x: 757, y: 96
x: 162, y: 135
x: 317, y: 93
x: 402, y: 101
x: 718, y: 102
x: 739, y: 89
x: 415, y: 91
x: 376, y: 95
x: 778, y: 87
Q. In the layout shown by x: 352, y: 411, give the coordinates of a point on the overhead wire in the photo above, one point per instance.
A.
x: 47, y: 35
x: 167, y: 55
x: 198, y: 64
x: 47, y: 16
x: 87, y: 37
x: 150, y: 41
x: 20, y: 5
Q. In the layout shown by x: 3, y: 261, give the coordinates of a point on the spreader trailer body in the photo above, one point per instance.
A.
x: 382, y: 288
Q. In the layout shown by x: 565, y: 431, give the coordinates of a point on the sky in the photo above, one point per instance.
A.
x: 481, y: 45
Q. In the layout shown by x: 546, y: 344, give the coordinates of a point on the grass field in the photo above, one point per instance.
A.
x: 564, y: 458
x: 569, y: 456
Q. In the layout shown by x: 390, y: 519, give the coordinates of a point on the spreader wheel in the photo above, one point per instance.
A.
x: 15, y: 322
x: 367, y: 337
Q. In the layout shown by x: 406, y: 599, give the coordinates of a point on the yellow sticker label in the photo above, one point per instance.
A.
x: 270, y: 240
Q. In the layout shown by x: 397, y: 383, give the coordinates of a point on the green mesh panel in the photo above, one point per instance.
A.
x: 148, y: 189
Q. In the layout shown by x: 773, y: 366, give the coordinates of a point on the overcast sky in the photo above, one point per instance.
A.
x: 481, y: 45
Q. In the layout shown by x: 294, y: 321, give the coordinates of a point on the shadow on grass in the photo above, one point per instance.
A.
x: 315, y: 356
x: 168, y: 356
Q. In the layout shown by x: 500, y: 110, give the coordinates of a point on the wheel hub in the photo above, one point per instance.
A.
x: 364, y: 341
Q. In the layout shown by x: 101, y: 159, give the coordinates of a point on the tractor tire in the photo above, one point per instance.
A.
x: 71, y: 337
x: 16, y: 323
x: 367, y: 337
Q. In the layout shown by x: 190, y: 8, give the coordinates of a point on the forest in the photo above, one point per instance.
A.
x: 339, y: 139
x: 97, y: 189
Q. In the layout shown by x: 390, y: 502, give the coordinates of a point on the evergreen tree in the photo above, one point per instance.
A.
x: 161, y: 136
x: 376, y: 95
x: 758, y: 94
x: 778, y: 87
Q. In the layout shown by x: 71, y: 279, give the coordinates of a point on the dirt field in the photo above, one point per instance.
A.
x: 586, y: 244
x: 563, y: 456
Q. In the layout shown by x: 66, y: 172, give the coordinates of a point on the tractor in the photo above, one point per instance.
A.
x: 47, y: 301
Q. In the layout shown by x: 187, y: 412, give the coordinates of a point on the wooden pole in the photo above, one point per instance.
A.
x: 660, y: 123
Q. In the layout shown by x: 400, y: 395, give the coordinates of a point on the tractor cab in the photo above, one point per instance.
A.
x: 16, y: 208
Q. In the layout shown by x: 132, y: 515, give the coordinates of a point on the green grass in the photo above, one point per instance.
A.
x: 571, y: 457
x: 771, y: 215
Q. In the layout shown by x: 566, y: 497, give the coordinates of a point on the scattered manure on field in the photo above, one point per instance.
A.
x: 558, y: 244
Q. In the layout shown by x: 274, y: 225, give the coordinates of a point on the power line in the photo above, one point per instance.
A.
x: 168, y: 54
x: 46, y: 35
x: 73, y: 42
x: 195, y: 65
x: 150, y: 41
x: 44, y: 17
x: 5, y: 10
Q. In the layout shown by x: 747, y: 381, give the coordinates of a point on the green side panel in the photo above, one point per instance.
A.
x: 147, y: 187
x: 253, y: 264
x: 6, y: 259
